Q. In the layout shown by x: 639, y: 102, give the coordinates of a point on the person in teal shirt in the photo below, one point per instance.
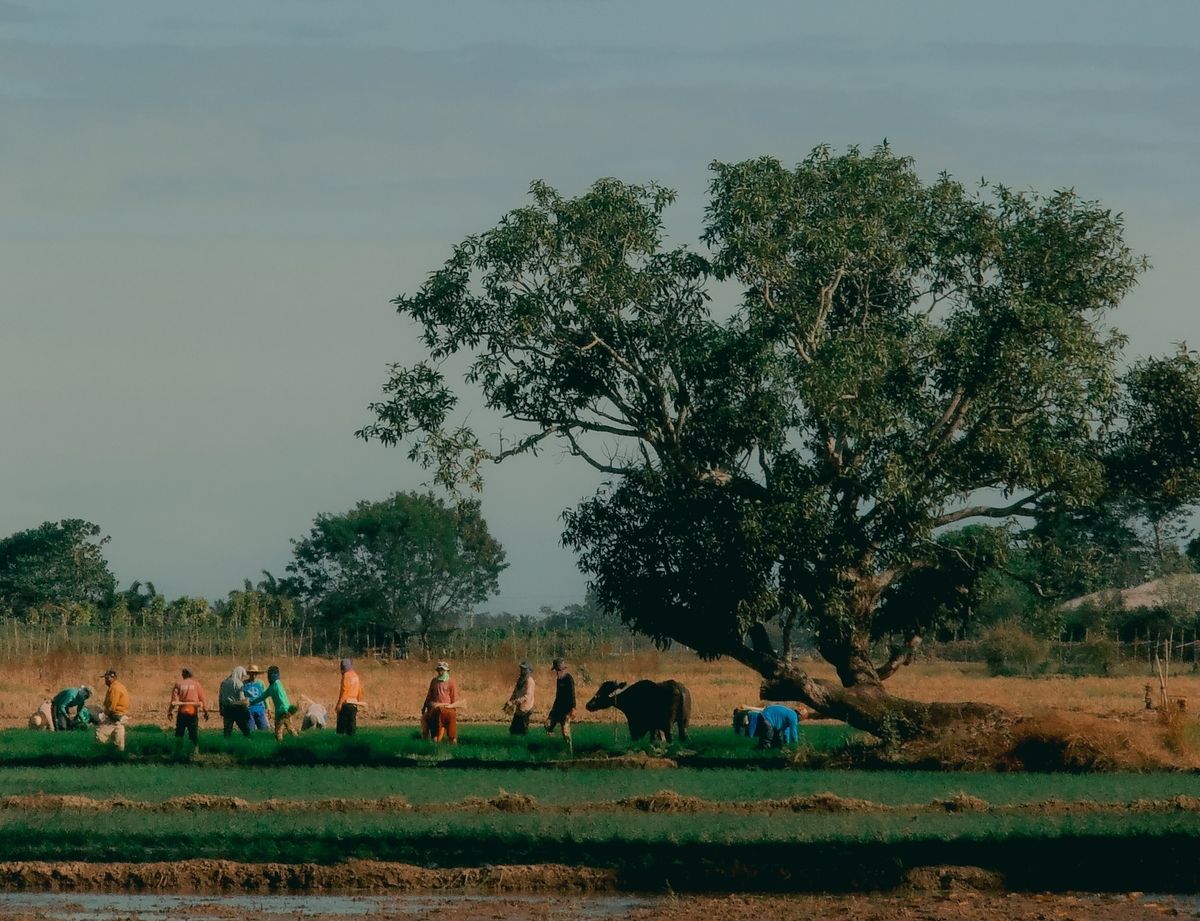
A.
x: 69, y: 699
x: 284, y: 708
x: 252, y: 688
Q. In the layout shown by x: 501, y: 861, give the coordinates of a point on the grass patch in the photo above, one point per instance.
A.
x: 331, y: 837
x: 432, y: 784
x: 481, y: 744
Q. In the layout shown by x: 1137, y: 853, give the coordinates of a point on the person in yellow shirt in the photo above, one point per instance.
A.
x: 350, y: 698
x: 115, y: 710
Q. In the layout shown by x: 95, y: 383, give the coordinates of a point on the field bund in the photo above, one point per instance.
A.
x: 387, y: 812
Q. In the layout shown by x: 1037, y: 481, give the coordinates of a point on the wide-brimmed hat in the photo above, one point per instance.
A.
x: 253, y: 670
x: 525, y: 667
x: 443, y: 666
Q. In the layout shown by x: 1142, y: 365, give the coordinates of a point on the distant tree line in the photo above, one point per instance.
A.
x: 405, y: 574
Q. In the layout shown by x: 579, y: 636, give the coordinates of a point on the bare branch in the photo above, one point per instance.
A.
x: 1021, y: 507
x: 578, y: 451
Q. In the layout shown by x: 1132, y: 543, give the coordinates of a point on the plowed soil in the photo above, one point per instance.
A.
x: 353, y: 875
x: 502, y: 893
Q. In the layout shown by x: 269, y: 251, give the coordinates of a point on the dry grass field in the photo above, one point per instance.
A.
x: 395, y: 690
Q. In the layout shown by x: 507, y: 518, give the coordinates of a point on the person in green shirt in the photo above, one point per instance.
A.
x: 283, y: 707
x: 66, y: 700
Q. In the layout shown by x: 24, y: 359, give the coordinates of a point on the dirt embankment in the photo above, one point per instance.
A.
x: 206, y: 876
x: 664, y: 801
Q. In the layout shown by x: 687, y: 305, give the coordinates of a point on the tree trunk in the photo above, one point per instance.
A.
x: 860, y: 700
x: 869, y: 707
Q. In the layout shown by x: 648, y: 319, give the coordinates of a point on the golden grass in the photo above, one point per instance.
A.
x: 395, y: 690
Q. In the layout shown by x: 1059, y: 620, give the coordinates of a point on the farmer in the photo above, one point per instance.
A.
x: 66, y: 700
x: 563, y: 709
x: 231, y: 699
x: 188, y: 697
x: 284, y: 708
x: 774, y: 726
x: 315, y: 715
x: 43, y: 717
x: 439, y: 716
x: 115, y: 712
x: 349, y: 700
x: 256, y: 713
x: 520, y: 702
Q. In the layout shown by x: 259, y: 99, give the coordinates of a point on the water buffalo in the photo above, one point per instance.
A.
x: 649, y: 706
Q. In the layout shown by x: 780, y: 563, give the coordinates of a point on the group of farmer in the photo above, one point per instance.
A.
x: 241, y: 702
x: 68, y: 710
x: 439, y: 716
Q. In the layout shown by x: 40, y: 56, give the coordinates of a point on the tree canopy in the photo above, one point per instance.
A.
x: 55, y: 564
x: 409, y: 564
x: 904, y: 357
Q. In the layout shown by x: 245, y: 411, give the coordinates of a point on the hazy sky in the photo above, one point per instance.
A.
x: 206, y: 208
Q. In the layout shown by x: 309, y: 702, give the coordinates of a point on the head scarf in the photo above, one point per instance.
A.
x: 347, y: 665
x: 272, y: 674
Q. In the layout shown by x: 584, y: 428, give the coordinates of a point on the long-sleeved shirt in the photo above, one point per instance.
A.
x: 232, y: 692
x: 440, y: 694
x: 564, y: 694
x: 351, y: 691
x: 69, y: 699
x: 522, y: 695
x: 188, y: 696
x: 278, y: 697
x: 782, y: 719
x: 116, y: 700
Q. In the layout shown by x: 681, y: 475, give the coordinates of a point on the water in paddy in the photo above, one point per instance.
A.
x: 52, y: 906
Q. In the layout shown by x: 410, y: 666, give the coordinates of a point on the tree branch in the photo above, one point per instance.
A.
x: 1020, y: 507
x: 901, y: 655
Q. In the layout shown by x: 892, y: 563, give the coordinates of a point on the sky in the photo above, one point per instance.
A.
x: 205, y: 210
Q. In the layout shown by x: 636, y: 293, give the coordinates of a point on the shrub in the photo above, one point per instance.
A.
x: 1095, y: 657
x: 1009, y: 650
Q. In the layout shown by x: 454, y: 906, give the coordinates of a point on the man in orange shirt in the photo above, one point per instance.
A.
x: 350, y: 698
x: 188, y: 697
x: 116, y: 711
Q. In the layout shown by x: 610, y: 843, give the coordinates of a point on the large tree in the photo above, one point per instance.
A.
x: 57, y: 564
x: 899, y: 358
x: 406, y: 565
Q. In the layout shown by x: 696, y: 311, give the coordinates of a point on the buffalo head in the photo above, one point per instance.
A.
x: 605, y: 696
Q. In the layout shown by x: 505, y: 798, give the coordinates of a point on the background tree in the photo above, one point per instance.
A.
x: 409, y: 564
x: 56, y: 564
x: 905, y: 358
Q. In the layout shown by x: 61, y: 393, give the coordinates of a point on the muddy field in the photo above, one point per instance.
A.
x: 68, y: 892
